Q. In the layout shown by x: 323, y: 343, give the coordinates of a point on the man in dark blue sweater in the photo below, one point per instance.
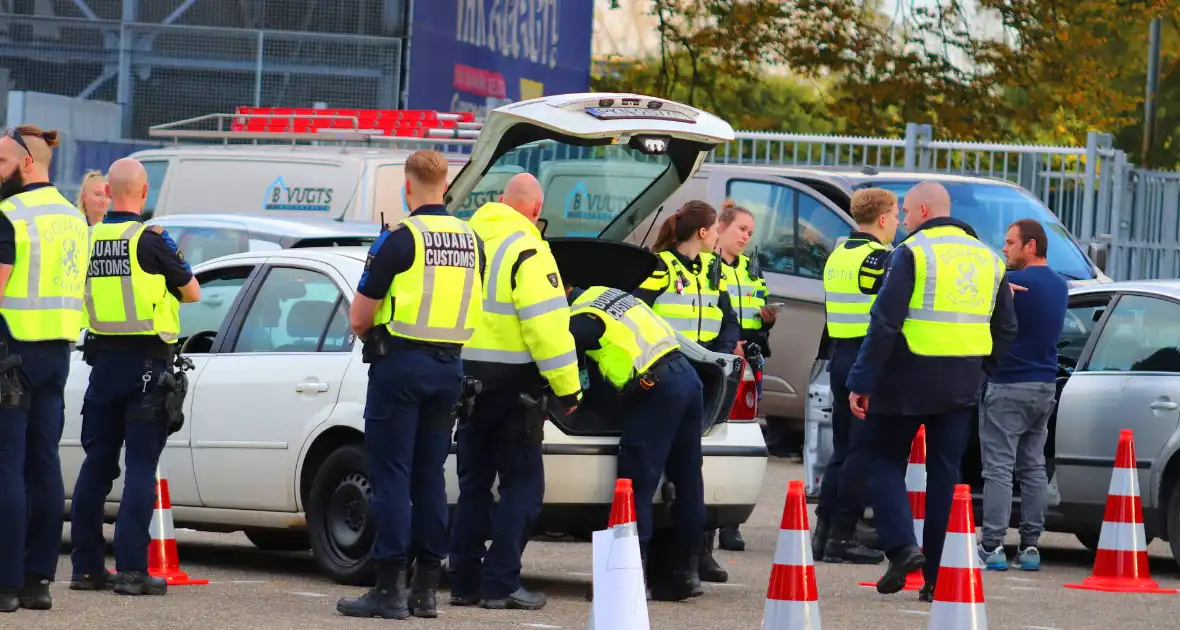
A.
x: 1015, y: 409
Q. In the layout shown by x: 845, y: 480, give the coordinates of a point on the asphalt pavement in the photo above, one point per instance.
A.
x: 254, y: 589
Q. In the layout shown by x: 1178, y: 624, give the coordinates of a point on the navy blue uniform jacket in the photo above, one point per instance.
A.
x: 902, y: 383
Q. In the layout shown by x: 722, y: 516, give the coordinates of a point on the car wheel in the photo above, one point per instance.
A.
x: 340, y: 524
x: 279, y: 539
x: 1089, y: 540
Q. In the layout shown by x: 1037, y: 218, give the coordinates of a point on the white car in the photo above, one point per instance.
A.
x: 273, y: 442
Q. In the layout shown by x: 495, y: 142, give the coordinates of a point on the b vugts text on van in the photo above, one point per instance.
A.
x: 299, y: 198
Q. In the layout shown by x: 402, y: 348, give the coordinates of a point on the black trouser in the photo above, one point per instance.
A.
x: 842, y: 493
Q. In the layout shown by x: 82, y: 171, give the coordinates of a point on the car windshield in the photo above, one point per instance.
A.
x: 585, y: 187
x: 991, y: 208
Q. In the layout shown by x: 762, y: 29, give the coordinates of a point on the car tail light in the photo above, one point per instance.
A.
x: 745, y: 405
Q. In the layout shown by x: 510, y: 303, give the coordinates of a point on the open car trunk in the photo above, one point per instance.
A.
x: 587, y: 262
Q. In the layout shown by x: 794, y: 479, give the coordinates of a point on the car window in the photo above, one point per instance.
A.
x: 199, y: 244
x: 1080, y: 320
x: 1142, y: 334
x: 818, y: 229
x: 219, y: 288
x: 339, y: 337
x: 773, y: 207
x: 290, y: 313
x: 156, y: 170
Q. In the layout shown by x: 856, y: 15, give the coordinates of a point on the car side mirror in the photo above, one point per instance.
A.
x: 1099, y: 252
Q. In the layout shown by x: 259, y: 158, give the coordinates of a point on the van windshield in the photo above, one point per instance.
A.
x: 586, y: 187
x: 990, y: 208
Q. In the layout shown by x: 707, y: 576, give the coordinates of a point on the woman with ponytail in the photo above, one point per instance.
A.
x: 687, y: 287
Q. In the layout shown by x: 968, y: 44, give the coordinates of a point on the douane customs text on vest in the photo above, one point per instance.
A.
x: 110, y: 259
x: 615, y: 303
x: 447, y: 249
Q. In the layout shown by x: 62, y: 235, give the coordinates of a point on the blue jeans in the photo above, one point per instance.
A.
x: 111, y: 417
x: 408, y: 422
x: 490, y: 444
x: 662, y: 435
x: 889, y: 438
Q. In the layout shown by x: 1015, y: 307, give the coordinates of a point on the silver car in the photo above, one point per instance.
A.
x: 206, y: 236
x: 1119, y: 368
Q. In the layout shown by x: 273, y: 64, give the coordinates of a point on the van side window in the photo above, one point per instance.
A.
x: 156, y: 169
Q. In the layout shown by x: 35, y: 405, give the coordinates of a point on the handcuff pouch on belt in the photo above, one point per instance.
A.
x: 642, y: 382
x: 165, y: 400
x: 376, y: 343
x: 13, y: 394
x: 465, y: 406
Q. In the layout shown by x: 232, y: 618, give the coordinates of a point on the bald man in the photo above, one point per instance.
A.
x: 129, y: 351
x: 941, y: 322
x: 42, y: 272
x: 521, y: 346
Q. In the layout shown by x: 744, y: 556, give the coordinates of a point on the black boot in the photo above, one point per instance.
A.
x: 842, y: 547
x: 34, y: 595
x: 708, y: 569
x: 670, y: 572
x: 731, y: 539
x: 9, y: 600
x: 520, y: 599
x: 424, y: 589
x: 926, y: 593
x: 694, y: 572
x: 387, y: 600
x: 902, y: 563
x: 139, y: 583
x: 866, y: 535
x: 819, y: 537
x: 102, y: 581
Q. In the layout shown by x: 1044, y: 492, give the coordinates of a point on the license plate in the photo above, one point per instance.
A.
x: 621, y: 113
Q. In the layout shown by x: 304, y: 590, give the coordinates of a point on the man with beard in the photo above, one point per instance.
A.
x: 43, y: 260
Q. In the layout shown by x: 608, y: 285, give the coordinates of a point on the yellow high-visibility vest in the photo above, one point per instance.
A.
x: 526, y: 316
x: 635, y: 338
x: 122, y: 298
x: 955, y: 283
x: 747, y: 293
x: 688, y: 303
x: 437, y: 298
x: 846, y: 306
x: 43, y: 300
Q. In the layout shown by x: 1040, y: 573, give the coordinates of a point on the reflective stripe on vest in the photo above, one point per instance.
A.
x: 43, y: 300
x: 845, y: 306
x: 747, y: 294
x: 955, y: 282
x: 635, y: 337
x: 695, y: 312
x: 413, y: 310
x: 137, y: 289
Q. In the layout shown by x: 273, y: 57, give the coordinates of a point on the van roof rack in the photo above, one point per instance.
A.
x: 293, y: 125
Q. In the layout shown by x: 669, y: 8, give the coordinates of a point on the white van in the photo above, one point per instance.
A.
x: 333, y: 182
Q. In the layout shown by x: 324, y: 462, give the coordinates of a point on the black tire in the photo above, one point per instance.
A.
x: 279, y: 539
x: 1089, y: 540
x: 339, y: 522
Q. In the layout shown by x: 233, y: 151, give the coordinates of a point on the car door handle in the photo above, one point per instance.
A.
x: 311, y: 386
x: 1164, y: 404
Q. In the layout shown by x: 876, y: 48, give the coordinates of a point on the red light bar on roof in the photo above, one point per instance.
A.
x: 412, y: 123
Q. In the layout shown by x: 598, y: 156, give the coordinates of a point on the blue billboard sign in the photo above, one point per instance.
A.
x: 475, y: 55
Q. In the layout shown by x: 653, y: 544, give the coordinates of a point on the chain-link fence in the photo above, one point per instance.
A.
x: 163, y: 73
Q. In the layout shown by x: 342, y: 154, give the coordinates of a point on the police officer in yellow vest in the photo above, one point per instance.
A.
x: 687, y: 287
x: 136, y: 280
x: 42, y: 277
x: 417, y: 304
x: 521, y: 344
x: 852, y: 277
x: 659, y: 396
x: 941, y: 323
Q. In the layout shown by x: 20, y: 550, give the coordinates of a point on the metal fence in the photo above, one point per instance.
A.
x: 162, y: 73
x: 1096, y: 192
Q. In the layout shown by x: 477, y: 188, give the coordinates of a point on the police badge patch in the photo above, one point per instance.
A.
x: 553, y: 279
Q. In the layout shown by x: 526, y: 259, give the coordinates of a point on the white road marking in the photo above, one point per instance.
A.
x: 248, y: 582
x: 727, y: 584
x: 1039, y: 627
x: 915, y: 612
x: 581, y: 574
x: 304, y: 594
x: 1024, y: 588
x: 1019, y: 579
x: 538, y: 625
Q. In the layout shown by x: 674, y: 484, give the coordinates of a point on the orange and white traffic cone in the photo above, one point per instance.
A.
x: 958, y: 595
x: 1121, y: 563
x: 619, y: 597
x: 915, y: 485
x: 163, y: 559
x: 792, y: 601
